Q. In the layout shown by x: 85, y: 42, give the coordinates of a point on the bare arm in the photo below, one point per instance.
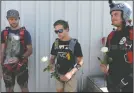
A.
x: 73, y: 71
x: 80, y: 62
x: 52, y: 59
x: 2, y: 52
x: 29, y: 51
x: 1, y: 58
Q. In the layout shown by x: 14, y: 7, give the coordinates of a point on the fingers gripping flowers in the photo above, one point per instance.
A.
x: 50, y: 68
x: 106, y: 58
x: 104, y: 49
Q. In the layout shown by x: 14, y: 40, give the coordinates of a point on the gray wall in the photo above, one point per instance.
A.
x: 89, y: 21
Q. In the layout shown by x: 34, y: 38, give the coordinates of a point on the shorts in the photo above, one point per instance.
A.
x: 69, y: 86
x: 22, y: 77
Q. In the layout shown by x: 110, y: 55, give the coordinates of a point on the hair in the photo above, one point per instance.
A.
x: 61, y: 22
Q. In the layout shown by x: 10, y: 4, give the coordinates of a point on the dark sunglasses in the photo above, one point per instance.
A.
x: 59, y: 31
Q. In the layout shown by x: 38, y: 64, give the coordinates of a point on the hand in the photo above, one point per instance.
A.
x: 66, y: 77
x: 13, y: 60
x: 51, y: 67
x: 104, y: 68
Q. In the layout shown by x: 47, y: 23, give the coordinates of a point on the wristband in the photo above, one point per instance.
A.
x: 77, y: 66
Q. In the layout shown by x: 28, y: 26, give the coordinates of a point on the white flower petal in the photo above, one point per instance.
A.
x: 104, y: 49
x: 44, y: 59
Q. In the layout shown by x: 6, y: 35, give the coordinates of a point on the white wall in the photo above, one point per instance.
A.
x: 89, y: 21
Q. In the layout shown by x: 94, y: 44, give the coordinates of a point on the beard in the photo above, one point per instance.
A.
x: 15, y: 25
x: 116, y: 25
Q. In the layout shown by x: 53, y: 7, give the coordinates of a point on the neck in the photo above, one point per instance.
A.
x: 119, y: 28
x: 66, y: 38
x: 15, y: 28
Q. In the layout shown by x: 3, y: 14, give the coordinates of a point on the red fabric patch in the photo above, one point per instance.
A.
x: 130, y: 56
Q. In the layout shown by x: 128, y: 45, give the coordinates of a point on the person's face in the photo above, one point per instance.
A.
x: 116, y: 18
x: 14, y: 22
x: 59, y: 29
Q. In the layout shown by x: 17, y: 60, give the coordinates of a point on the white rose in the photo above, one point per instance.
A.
x: 104, y: 49
x: 44, y: 59
x: 16, y: 37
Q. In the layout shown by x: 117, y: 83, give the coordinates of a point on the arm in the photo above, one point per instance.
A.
x: 28, y: 52
x: 2, y: 52
x: 2, y: 48
x: 52, y: 60
x: 79, y: 62
x: 28, y: 42
x: 104, y: 67
x: 0, y: 63
x: 52, y: 57
x: 79, y: 55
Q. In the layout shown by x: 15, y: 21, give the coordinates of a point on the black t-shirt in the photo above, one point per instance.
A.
x: 65, y: 58
x: 119, y: 68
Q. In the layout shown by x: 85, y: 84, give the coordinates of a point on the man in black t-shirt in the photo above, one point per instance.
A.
x: 69, y: 57
x: 120, y: 43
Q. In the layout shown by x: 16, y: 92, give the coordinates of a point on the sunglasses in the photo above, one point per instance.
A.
x: 59, y: 31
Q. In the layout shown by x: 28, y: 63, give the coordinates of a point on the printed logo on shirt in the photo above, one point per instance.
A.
x: 123, y: 41
x: 64, y: 55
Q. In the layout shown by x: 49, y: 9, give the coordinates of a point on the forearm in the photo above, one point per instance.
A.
x: 2, y: 53
x: 74, y: 70
x: 52, y: 60
x: 78, y: 65
x: 28, y: 52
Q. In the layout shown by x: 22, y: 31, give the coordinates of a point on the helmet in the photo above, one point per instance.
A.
x: 124, y: 7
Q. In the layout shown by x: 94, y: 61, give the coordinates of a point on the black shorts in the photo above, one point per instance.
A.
x: 22, y: 77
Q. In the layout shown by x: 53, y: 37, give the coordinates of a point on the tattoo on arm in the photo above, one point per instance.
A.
x: 29, y: 51
x: 52, y: 59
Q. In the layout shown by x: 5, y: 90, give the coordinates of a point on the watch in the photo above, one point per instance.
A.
x: 78, y: 66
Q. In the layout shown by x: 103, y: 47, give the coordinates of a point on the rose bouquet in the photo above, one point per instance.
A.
x: 48, y: 68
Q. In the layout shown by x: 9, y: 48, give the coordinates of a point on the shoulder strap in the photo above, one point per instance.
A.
x: 5, y: 33
x: 21, y: 34
x: 56, y: 43
x: 72, y: 44
x: 110, y: 36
